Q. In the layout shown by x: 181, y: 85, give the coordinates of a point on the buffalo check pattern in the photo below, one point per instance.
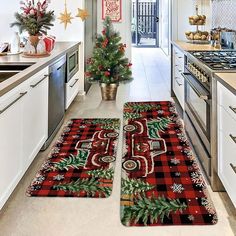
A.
x: 81, y: 163
x: 162, y: 183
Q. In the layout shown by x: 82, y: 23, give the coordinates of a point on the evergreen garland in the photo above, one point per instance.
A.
x: 72, y: 161
x: 131, y: 116
x: 135, y: 107
x: 134, y: 186
x: 107, y: 124
x: 102, y: 173
x: 90, y: 186
x: 151, y: 208
x: 108, y: 63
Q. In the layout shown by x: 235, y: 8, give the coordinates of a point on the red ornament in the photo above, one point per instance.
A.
x: 130, y: 64
x: 107, y: 73
x: 87, y: 74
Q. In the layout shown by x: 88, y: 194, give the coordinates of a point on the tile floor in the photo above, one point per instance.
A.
x: 25, y: 216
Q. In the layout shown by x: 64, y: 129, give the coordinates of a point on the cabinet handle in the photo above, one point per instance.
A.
x: 233, y: 167
x: 233, y: 109
x: 8, y: 106
x: 233, y: 137
x: 74, y: 83
x: 34, y: 85
x: 176, y: 79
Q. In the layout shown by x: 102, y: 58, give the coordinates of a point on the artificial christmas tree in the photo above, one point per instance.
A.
x: 108, y: 65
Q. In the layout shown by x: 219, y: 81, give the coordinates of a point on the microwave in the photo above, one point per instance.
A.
x: 72, y: 63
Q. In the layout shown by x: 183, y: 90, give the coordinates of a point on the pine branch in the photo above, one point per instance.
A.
x: 153, y: 209
x: 102, y: 173
x: 139, y: 107
x: 134, y: 186
x: 72, y: 161
x: 131, y: 116
x: 154, y: 126
x: 90, y: 186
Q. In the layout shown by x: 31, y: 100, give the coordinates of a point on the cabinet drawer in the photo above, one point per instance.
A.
x: 178, y: 87
x: 178, y: 56
x: 227, y: 164
x: 72, y: 89
x: 227, y: 100
x: 226, y: 123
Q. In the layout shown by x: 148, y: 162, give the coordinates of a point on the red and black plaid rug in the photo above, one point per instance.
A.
x: 81, y: 163
x: 161, y: 180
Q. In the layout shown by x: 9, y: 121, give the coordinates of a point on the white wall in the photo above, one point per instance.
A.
x: 124, y: 27
x: 74, y: 31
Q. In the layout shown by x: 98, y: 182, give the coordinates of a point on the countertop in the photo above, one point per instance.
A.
x: 185, y: 46
x: 60, y: 49
x: 227, y: 79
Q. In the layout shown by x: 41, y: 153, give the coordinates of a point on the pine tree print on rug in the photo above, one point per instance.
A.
x: 82, y: 162
x: 161, y: 181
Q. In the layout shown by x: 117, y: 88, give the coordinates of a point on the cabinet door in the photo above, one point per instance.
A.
x: 35, y: 120
x: 72, y: 89
x: 11, y: 116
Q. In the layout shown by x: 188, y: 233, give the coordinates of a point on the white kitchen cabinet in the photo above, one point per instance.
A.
x: 35, y: 116
x: 11, y: 133
x: 72, y: 89
x: 226, y: 105
x: 23, y: 129
x: 177, y: 78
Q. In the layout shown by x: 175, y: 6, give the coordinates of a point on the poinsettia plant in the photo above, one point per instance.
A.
x: 34, y: 17
x: 108, y: 63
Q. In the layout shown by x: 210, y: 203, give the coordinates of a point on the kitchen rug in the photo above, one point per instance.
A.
x: 82, y: 162
x: 161, y: 180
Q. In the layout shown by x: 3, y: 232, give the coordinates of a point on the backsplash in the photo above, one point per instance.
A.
x: 224, y: 13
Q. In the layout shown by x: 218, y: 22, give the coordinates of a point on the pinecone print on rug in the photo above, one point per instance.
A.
x: 82, y: 162
x: 161, y: 181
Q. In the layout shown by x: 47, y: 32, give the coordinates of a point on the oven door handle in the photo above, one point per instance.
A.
x: 196, y: 87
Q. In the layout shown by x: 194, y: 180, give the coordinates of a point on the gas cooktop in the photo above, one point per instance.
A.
x: 217, y: 60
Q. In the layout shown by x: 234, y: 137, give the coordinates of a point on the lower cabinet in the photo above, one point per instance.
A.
x: 227, y: 140
x: 23, y: 130
x: 72, y: 89
x: 35, y: 111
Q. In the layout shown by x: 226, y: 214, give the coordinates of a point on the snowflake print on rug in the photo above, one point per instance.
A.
x: 82, y: 162
x: 161, y: 182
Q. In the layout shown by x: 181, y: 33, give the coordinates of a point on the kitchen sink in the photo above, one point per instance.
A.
x: 8, y: 70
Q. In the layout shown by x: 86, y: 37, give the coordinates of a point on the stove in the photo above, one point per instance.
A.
x: 217, y: 60
x: 199, y: 114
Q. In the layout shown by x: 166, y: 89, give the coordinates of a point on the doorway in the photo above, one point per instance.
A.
x: 145, y: 23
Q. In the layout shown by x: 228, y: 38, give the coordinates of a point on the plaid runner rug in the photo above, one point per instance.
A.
x: 161, y: 180
x: 81, y: 163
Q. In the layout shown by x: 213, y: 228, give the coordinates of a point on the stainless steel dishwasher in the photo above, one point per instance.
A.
x: 56, y: 100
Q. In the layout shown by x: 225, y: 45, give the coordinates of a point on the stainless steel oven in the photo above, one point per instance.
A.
x: 72, y: 63
x: 198, y: 107
x: 197, y: 116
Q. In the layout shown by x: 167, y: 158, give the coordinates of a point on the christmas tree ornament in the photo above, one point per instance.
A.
x: 65, y: 17
x: 83, y: 14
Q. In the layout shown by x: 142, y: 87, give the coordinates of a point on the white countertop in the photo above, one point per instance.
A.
x: 60, y: 49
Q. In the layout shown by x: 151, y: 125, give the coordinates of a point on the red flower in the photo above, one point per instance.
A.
x: 107, y: 73
x: 104, y: 31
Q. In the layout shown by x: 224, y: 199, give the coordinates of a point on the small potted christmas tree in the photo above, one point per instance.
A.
x: 108, y: 65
